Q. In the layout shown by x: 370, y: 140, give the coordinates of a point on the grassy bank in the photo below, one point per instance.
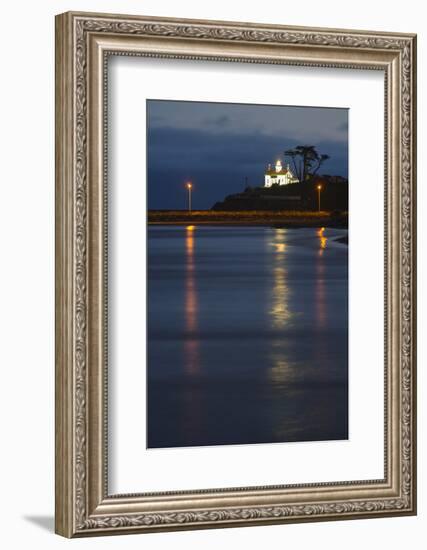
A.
x: 288, y: 218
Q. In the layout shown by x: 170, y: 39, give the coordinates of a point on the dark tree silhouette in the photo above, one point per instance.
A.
x: 306, y: 161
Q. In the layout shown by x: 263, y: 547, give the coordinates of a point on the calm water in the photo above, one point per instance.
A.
x: 247, y: 335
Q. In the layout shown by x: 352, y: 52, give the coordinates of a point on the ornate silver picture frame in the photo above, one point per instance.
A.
x: 84, y: 42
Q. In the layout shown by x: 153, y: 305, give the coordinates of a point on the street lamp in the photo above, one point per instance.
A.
x: 189, y: 187
x: 319, y: 188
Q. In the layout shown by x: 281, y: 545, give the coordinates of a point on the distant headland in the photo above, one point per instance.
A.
x: 333, y: 191
x: 290, y: 197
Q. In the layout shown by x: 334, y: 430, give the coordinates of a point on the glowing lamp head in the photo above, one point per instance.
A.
x: 189, y: 186
x: 319, y: 187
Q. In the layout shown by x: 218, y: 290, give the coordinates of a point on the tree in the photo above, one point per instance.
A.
x: 306, y: 161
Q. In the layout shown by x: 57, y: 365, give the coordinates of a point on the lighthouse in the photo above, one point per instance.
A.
x: 279, y: 175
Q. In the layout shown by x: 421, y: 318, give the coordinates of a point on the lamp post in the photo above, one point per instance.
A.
x: 189, y: 187
x: 319, y: 188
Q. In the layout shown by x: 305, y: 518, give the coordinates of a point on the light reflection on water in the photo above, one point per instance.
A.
x: 247, y: 335
x: 322, y: 240
x: 281, y: 370
x: 191, y: 346
x: 320, y: 297
x: 279, y: 311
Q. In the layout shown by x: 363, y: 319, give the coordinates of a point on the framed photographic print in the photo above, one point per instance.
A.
x: 235, y: 274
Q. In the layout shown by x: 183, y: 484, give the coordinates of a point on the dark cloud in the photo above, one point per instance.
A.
x: 220, y: 121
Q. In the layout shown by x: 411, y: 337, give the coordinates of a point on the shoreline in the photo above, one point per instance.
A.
x: 254, y: 218
x: 342, y: 240
x: 288, y: 225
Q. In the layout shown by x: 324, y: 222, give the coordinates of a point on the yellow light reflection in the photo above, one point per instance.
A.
x: 279, y: 311
x: 322, y: 240
x: 320, y: 292
x: 282, y: 371
x: 280, y: 247
x: 191, y: 348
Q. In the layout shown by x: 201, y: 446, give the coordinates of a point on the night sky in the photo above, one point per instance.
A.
x: 217, y: 145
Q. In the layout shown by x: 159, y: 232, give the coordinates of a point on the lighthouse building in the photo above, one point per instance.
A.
x: 279, y: 175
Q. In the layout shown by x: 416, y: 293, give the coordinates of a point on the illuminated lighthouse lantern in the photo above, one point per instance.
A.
x: 279, y: 175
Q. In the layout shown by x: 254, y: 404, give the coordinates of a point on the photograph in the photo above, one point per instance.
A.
x: 247, y: 273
